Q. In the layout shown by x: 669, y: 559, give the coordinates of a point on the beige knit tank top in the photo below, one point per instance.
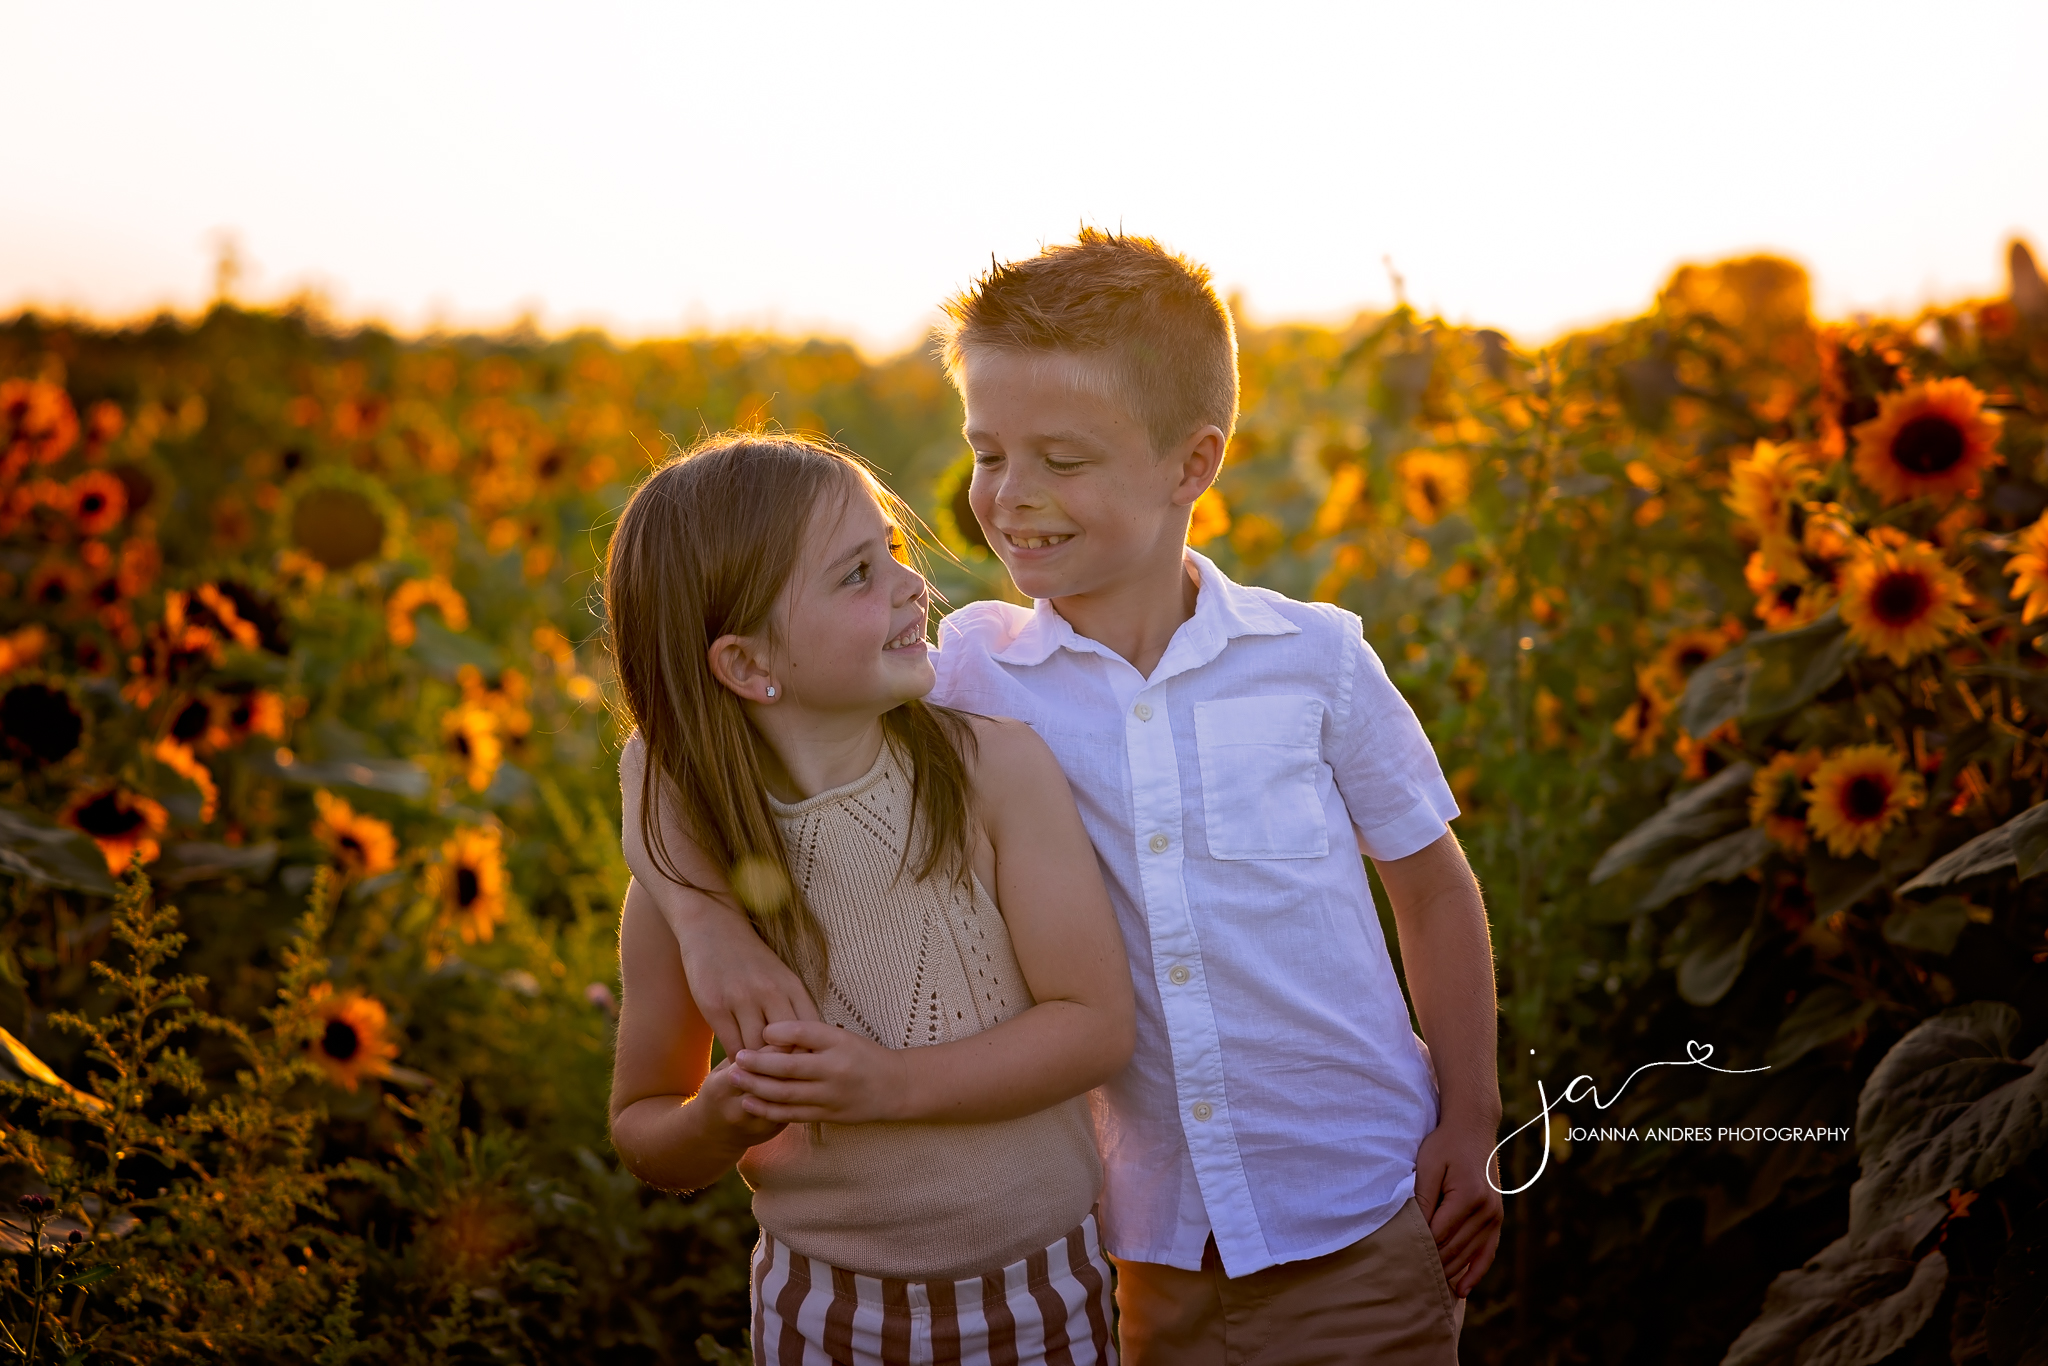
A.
x: 913, y: 964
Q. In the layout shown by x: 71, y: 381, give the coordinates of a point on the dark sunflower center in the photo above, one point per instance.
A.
x: 54, y: 592
x: 1901, y: 598
x: 1790, y: 803
x: 39, y: 722
x: 462, y: 744
x: 1691, y: 659
x: 92, y: 504
x: 1865, y: 797
x: 466, y: 887
x: 1788, y: 595
x: 351, y: 846
x: 191, y: 722
x: 340, y: 1041
x: 1431, y: 494
x: 1928, y: 445
x: 107, y: 817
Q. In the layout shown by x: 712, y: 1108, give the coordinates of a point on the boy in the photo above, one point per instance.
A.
x: 1288, y: 1177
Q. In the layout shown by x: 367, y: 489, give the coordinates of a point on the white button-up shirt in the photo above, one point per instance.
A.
x: 1277, y: 1095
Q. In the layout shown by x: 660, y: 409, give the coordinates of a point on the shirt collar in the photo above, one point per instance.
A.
x: 1223, y: 611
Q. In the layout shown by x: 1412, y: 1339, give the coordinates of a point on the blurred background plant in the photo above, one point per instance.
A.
x: 299, y: 616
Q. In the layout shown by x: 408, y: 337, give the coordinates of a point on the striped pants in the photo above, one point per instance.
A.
x: 1053, y: 1306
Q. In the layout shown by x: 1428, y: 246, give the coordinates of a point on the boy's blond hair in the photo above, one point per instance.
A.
x: 1148, y: 316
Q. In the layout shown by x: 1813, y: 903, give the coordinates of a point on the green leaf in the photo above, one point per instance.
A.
x: 1826, y: 1014
x: 1719, y: 949
x: 400, y: 777
x: 1989, y: 852
x: 1716, y: 694
x: 445, y: 652
x: 1793, y: 667
x: 1687, y: 820
x: 1931, y: 926
x: 1952, y: 1146
x: 1837, y: 884
x: 1876, y: 1330
x: 53, y: 855
x: 1837, y: 1283
x: 188, y: 861
x: 90, y: 1276
x: 1728, y: 857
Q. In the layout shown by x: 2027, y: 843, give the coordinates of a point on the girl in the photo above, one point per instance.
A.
x: 920, y: 1151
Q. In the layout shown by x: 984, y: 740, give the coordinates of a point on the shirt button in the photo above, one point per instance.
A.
x: 1158, y: 843
x: 1179, y: 976
x: 1203, y: 1109
x: 1143, y: 711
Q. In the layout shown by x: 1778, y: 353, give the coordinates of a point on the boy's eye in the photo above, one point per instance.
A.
x: 1059, y: 466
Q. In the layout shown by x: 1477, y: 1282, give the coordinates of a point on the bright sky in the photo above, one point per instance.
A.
x: 840, y: 167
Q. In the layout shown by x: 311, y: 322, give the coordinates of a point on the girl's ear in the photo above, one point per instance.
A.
x: 741, y: 665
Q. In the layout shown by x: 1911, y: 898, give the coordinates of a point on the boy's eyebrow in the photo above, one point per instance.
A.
x: 1063, y: 437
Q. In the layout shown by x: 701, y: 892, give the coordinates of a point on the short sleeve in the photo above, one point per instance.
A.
x: 1385, y: 769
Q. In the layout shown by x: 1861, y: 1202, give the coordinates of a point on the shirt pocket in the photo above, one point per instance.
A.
x: 1261, y: 757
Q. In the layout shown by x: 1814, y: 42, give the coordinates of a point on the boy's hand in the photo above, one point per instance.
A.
x: 814, y: 1073
x: 737, y: 981
x: 722, y: 1096
x: 1463, y: 1207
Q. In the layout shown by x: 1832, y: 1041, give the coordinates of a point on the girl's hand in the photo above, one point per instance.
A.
x: 724, y: 1101
x: 820, y: 1074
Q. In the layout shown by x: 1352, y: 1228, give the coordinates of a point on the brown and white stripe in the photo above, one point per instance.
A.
x: 1052, y: 1306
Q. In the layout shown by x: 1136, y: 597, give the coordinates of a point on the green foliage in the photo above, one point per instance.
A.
x: 298, y: 613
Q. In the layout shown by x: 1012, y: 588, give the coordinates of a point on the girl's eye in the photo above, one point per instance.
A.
x: 899, y: 549
x: 858, y: 575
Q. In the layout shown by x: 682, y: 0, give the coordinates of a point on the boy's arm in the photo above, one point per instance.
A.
x: 675, y: 1127
x: 1448, y: 956
x: 1049, y: 889
x: 734, y: 978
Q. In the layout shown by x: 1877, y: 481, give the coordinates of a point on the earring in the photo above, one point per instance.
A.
x: 771, y: 690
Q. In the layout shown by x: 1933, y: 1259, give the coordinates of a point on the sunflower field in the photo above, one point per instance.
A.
x: 1730, y: 626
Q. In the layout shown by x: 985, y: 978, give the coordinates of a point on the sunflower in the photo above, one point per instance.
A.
x: 1783, y: 603
x: 57, y: 586
x: 121, y: 822
x: 410, y: 596
x: 1687, y: 649
x: 22, y: 647
x: 470, y: 882
x: 2029, y: 568
x: 1933, y: 439
x: 37, y: 424
x: 1899, y: 599
x: 471, y: 733
x: 254, y: 712
x: 351, y: 1044
x: 1433, y: 483
x: 1209, y: 519
x: 40, y: 724
x: 1777, y: 798
x: 363, y: 845
x: 180, y: 759
x: 98, y: 502
x: 1764, y: 488
x: 1643, y: 722
x: 1857, y: 794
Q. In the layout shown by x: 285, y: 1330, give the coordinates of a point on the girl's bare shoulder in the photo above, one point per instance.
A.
x: 1009, y: 761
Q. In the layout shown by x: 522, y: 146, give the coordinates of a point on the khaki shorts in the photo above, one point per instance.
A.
x: 1384, y: 1299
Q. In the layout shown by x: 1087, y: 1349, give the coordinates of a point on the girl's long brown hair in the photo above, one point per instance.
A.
x: 702, y: 550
